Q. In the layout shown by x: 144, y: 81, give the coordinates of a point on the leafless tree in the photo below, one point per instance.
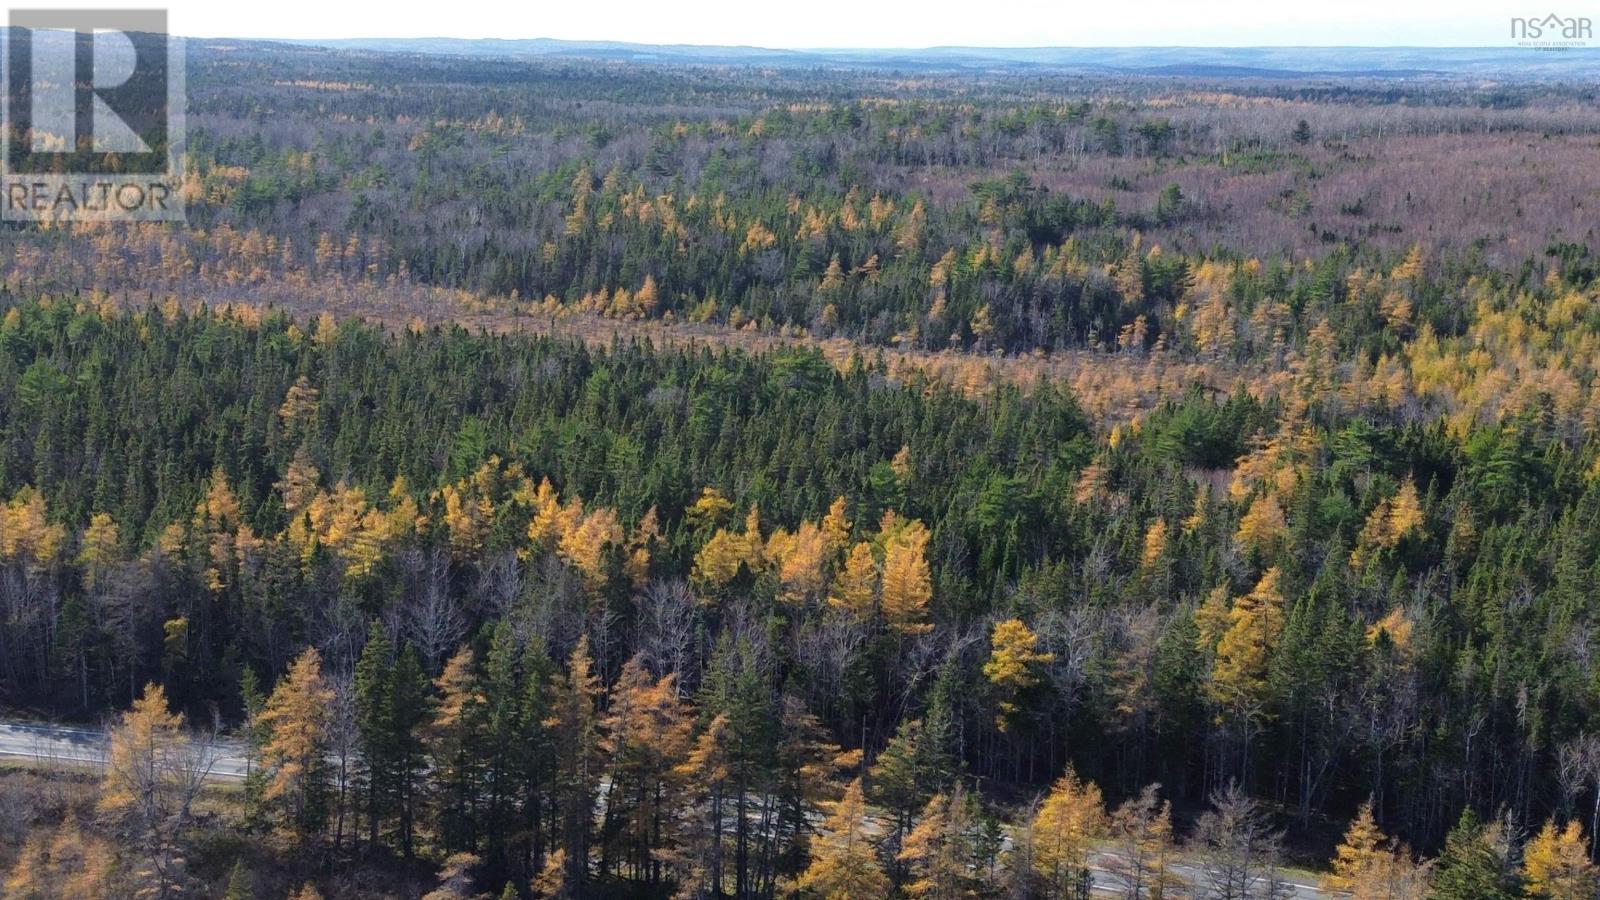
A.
x: 499, y: 582
x: 1073, y: 637
x: 553, y: 610
x: 1236, y: 851
x: 1578, y: 762
x: 668, y: 621
x: 430, y: 617
x: 342, y: 746
x: 29, y: 612
x: 826, y: 644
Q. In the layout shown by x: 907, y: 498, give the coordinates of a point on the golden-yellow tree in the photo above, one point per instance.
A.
x: 718, y: 562
x: 101, y: 547
x: 647, y: 739
x: 1012, y: 666
x: 68, y: 864
x: 153, y: 774
x: 295, y: 722
x: 941, y: 851
x: 855, y: 588
x: 1263, y: 526
x: 219, y: 523
x: 583, y: 547
x: 844, y: 865
x: 1255, y: 622
x: 1367, y: 865
x: 907, y: 580
x: 579, y: 761
x: 799, y: 559
x: 453, y: 736
x: 836, y: 527
x: 1391, y: 521
x: 26, y: 534
x: 1069, y: 821
x: 1556, y: 864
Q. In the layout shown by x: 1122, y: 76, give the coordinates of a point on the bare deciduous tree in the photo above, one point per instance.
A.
x: 431, y: 619
x: 1236, y: 851
x: 668, y: 621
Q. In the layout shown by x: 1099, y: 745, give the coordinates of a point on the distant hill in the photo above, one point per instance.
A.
x: 1480, y: 63
x: 1223, y: 62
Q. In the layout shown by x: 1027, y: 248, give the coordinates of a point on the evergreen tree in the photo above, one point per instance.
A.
x: 1472, y: 866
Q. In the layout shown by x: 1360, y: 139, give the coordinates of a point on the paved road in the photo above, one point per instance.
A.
x: 1105, y: 882
x: 60, y: 745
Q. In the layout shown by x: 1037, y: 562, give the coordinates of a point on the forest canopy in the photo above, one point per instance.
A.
x: 588, y: 479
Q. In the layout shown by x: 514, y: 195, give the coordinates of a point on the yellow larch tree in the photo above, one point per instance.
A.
x: 1396, y: 625
x: 710, y: 508
x: 836, y: 528
x: 1255, y: 623
x: 138, y: 745
x: 940, y: 852
x: 294, y: 754
x: 833, y: 278
x: 1391, y: 521
x: 646, y: 535
x: 1556, y: 864
x: 855, y: 588
x: 300, y: 483
x: 1410, y: 267
x: 153, y: 773
x: 583, y: 547
x: 575, y: 723
x: 227, y: 539
x: 719, y: 560
x: 29, y: 877
x: 901, y: 463
x: 100, y: 547
x: 648, y: 732
x: 907, y: 580
x: 552, y: 521
x: 1141, y: 830
x: 1069, y: 821
x: 463, y: 522
x: 342, y: 522
x: 1093, y: 484
x: 909, y: 235
x: 1155, y: 544
x: 299, y: 402
x: 1370, y: 866
x: 26, y: 534
x: 844, y: 865
x: 1358, y: 854
x: 1263, y: 526
x: 799, y: 559
x: 1012, y: 666
x: 69, y: 863
x: 646, y: 298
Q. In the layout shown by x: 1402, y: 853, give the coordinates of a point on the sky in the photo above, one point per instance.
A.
x: 810, y: 24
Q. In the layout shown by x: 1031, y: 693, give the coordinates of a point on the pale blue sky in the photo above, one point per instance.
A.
x: 880, y: 23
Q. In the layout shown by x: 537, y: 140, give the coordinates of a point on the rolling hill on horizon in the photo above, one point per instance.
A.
x: 1508, y: 63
